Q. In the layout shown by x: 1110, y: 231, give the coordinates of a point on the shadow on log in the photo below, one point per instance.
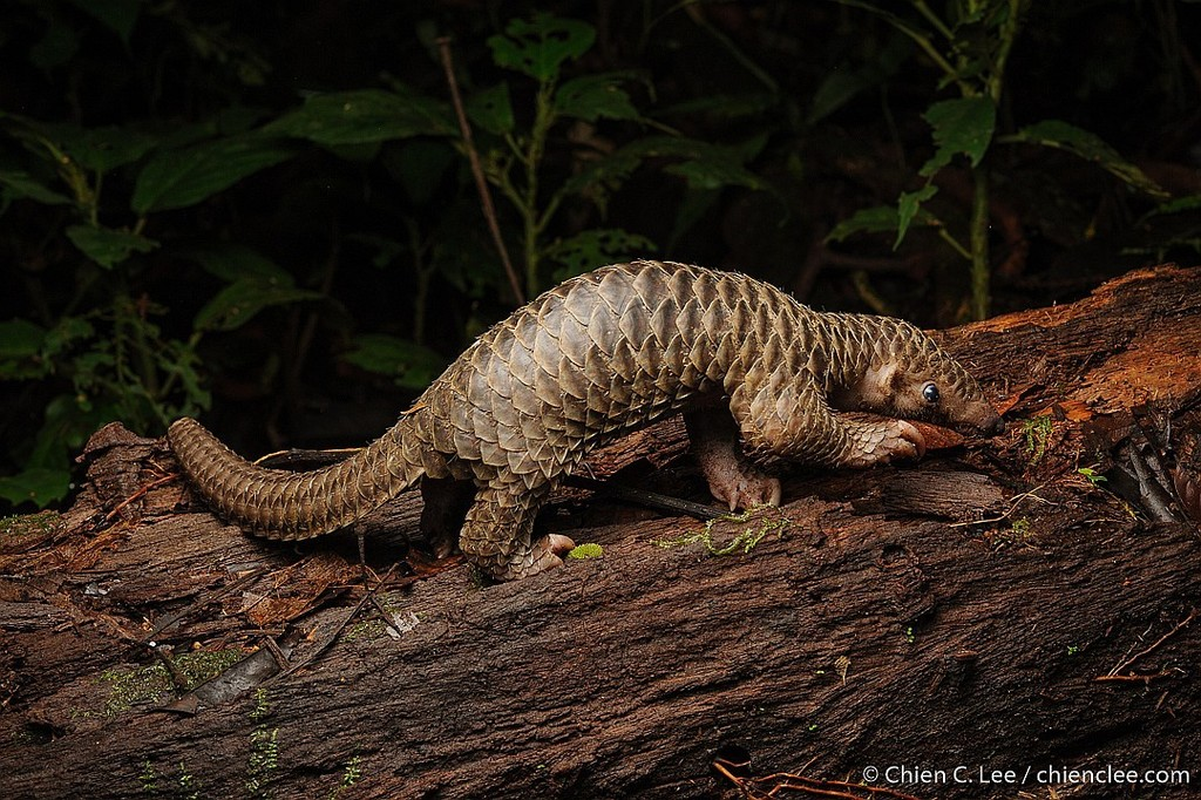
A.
x: 993, y: 612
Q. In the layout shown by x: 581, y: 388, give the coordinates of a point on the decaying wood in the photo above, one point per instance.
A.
x: 990, y: 608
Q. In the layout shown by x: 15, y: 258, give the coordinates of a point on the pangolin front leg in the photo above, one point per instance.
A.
x: 732, y: 477
x: 498, y: 533
x: 796, y: 423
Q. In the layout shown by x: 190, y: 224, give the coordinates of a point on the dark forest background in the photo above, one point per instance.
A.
x: 266, y: 214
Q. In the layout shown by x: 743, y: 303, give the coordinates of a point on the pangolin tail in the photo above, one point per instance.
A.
x: 279, y: 504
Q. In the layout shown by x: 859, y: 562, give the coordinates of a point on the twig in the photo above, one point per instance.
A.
x: 139, y: 494
x: 1013, y: 506
x: 755, y: 788
x: 642, y: 497
x: 1113, y: 673
x: 481, y: 184
x: 1140, y: 678
x: 333, y: 637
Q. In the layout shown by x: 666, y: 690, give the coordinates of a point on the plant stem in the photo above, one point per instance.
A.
x: 481, y: 184
x: 994, y: 85
x: 544, y: 117
x: 979, y: 243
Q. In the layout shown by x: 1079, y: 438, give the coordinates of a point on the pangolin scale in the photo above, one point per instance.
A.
x: 600, y: 355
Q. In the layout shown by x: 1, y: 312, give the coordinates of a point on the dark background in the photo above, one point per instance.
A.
x: 350, y: 226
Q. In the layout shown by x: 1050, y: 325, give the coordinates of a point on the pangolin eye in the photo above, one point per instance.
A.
x: 931, y: 394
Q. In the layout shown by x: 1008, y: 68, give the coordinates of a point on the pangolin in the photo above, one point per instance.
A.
x: 596, y: 357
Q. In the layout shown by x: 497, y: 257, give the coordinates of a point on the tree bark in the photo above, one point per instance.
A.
x: 982, y: 616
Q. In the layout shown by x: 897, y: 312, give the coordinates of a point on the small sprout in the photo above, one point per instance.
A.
x: 844, y: 665
x: 148, y: 777
x: 1073, y: 649
x: 586, y: 551
x: 1092, y: 476
x: 910, y: 636
x: 1036, y: 431
x: 1021, y: 528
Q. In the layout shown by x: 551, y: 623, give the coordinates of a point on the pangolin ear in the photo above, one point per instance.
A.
x: 886, y: 379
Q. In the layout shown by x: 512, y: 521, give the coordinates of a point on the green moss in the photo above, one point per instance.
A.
x: 364, y: 629
x: 262, y: 705
x: 586, y: 551
x: 148, y: 778
x: 745, y: 540
x: 130, y: 686
x: 264, y: 748
x: 1036, y: 432
x: 36, y: 525
x: 263, y: 761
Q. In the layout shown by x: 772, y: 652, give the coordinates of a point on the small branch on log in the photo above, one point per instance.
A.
x: 1113, y: 673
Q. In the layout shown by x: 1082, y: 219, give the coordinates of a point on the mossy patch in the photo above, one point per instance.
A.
x: 745, y: 539
x: 21, y: 528
x: 586, y: 551
x: 133, y: 686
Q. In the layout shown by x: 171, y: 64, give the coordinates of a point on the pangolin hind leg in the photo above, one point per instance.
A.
x: 732, y: 478
x: 498, y: 533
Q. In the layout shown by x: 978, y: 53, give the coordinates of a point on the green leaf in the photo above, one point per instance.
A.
x: 722, y: 106
x: 593, y: 248
x: 119, y: 16
x: 1190, y: 202
x: 539, y: 47
x: 62, y: 336
x: 232, y: 262
x: 878, y: 219
x: 19, y: 183
x: 57, y: 46
x: 964, y: 125
x: 1064, y: 136
x: 21, y: 344
x: 594, y: 96
x: 100, y: 149
x: 364, y: 115
x: 419, y: 167
x: 256, y: 283
x: 491, y: 109
x: 38, y: 485
x: 181, y: 178
x: 908, y: 206
x: 409, y: 364
x: 703, y: 165
x: 237, y: 303
x: 108, y: 247
x: 715, y: 173
x: 843, y: 84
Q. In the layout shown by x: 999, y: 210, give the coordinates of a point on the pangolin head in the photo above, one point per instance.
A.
x: 911, y: 377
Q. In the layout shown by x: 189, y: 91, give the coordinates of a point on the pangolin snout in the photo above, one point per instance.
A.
x: 991, y: 423
x: 983, y: 418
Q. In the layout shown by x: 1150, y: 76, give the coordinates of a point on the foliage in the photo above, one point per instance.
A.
x: 515, y: 159
x: 112, y: 189
x: 971, y: 45
x: 199, y: 209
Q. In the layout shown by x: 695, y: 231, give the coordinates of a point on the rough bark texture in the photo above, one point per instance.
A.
x: 990, y: 608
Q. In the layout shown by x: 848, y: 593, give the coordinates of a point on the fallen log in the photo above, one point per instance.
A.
x: 977, y: 625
